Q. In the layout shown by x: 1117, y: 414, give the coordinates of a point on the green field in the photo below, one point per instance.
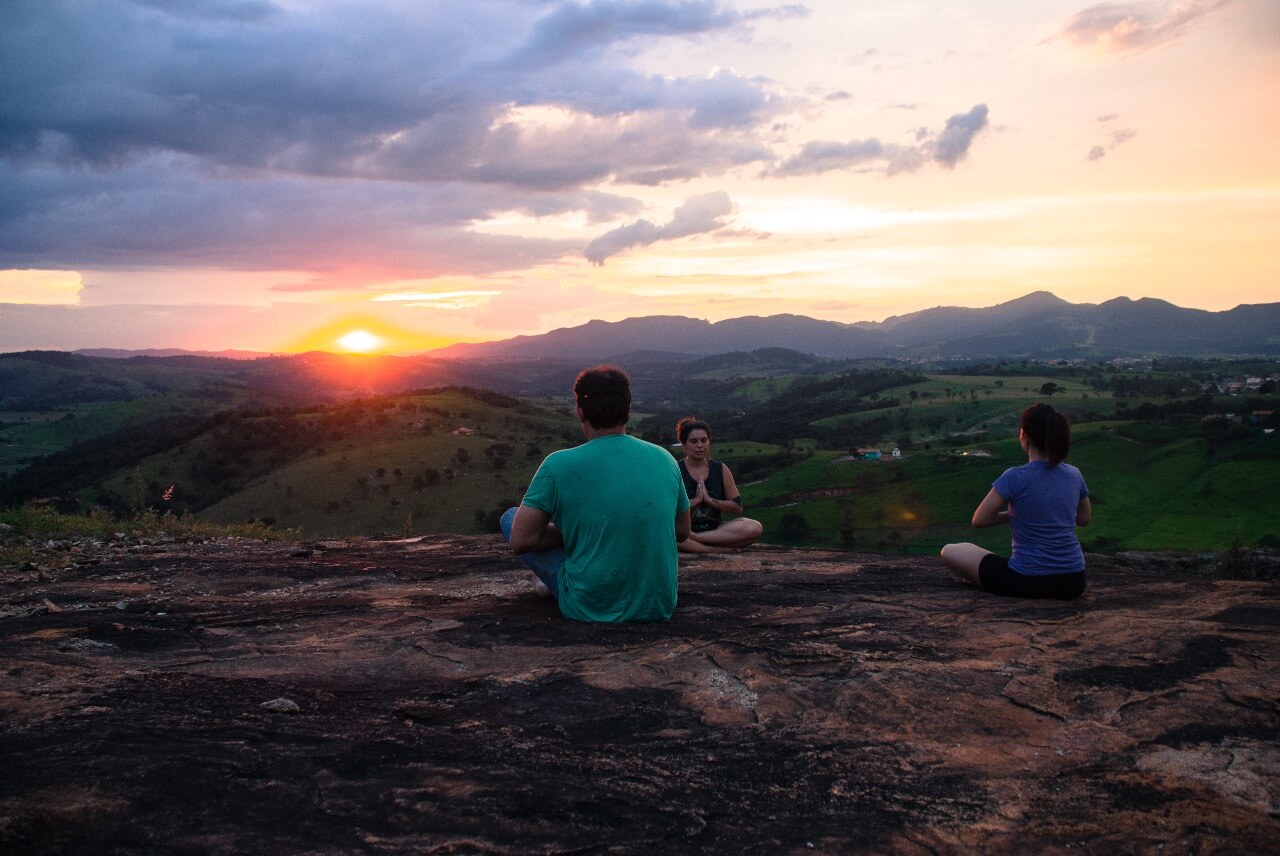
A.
x: 25, y: 435
x: 397, y: 469
x: 1172, y: 495
x: 447, y: 460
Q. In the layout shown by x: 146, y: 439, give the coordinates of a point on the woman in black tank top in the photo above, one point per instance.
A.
x: 712, y: 494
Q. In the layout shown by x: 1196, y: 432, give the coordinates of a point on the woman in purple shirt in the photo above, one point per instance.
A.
x: 1047, y: 499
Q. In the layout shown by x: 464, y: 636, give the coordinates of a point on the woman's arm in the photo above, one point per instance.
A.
x: 1084, y: 512
x: 989, y: 512
x: 732, y: 505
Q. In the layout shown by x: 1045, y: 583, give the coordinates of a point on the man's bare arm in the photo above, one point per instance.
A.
x: 683, y: 526
x: 532, y: 531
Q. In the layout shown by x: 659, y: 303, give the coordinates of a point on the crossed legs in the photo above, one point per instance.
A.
x: 546, y: 565
x: 964, y: 560
x: 730, y: 535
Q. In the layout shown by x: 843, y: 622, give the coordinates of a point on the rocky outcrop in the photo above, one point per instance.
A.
x: 416, y: 697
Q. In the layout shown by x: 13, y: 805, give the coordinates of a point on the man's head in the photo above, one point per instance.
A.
x: 603, y: 395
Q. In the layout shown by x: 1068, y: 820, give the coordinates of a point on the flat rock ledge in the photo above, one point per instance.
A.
x: 416, y: 697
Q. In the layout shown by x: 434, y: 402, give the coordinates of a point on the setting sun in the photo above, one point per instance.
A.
x: 360, y: 342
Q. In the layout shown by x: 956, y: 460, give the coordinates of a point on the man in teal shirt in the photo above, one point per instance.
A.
x: 600, y: 522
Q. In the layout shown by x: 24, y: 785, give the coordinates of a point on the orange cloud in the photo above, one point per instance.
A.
x: 1115, y: 28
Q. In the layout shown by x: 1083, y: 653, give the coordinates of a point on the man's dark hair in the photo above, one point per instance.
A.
x: 604, y: 394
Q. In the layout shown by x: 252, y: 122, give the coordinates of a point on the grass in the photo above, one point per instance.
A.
x: 762, y: 389
x: 352, y: 486
x: 1160, y: 496
x: 30, y: 434
x: 32, y: 527
x: 1156, y: 485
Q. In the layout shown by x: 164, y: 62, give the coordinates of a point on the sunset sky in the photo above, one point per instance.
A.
x: 278, y: 175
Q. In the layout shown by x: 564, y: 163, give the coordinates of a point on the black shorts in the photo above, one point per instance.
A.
x: 998, y: 578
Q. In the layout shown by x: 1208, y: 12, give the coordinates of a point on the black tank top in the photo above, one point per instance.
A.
x: 704, y: 517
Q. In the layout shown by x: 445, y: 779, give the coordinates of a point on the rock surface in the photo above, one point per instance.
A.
x: 799, y: 702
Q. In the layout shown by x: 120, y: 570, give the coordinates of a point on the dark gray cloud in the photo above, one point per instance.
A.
x: 171, y: 211
x: 357, y: 89
x: 246, y: 133
x: 952, y: 145
x: 698, y: 215
x: 946, y: 148
x: 574, y: 28
x: 232, y: 10
x: 1133, y: 27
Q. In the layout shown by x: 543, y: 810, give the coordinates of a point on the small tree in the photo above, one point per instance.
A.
x: 1048, y: 389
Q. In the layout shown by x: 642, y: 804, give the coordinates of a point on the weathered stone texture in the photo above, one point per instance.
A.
x: 799, y: 702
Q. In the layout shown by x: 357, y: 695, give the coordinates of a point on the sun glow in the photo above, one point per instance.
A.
x: 360, y: 342
x: 367, y: 334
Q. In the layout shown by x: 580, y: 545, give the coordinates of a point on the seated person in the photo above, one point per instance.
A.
x: 712, y: 494
x: 1047, y: 500
x: 599, y: 523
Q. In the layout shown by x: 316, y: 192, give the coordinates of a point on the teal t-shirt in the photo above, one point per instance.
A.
x: 615, y: 501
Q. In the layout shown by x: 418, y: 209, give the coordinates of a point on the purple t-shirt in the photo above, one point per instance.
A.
x: 1042, y: 514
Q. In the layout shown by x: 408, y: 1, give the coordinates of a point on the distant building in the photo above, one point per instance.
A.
x: 897, y: 453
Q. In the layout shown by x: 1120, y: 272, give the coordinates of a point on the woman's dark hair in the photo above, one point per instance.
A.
x: 1047, y: 430
x: 688, y: 425
x: 604, y: 394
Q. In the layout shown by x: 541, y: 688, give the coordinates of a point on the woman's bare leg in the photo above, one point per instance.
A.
x: 690, y: 545
x: 964, y: 560
x: 730, y: 535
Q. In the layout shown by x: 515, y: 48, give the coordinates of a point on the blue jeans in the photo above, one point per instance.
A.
x: 545, y: 565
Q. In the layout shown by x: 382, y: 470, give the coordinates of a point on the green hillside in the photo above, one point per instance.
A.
x: 26, y: 435
x: 415, y: 463
x: 188, y: 438
x: 1185, y: 493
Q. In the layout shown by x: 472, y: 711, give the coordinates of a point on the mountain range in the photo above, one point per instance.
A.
x: 1038, y: 325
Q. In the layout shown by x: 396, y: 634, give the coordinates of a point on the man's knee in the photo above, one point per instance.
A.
x: 508, y: 518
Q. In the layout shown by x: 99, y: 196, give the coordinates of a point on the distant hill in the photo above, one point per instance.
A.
x: 1038, y: 325
x: 37, y: 380
x: 673, y: 334
x: 124, y: 354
